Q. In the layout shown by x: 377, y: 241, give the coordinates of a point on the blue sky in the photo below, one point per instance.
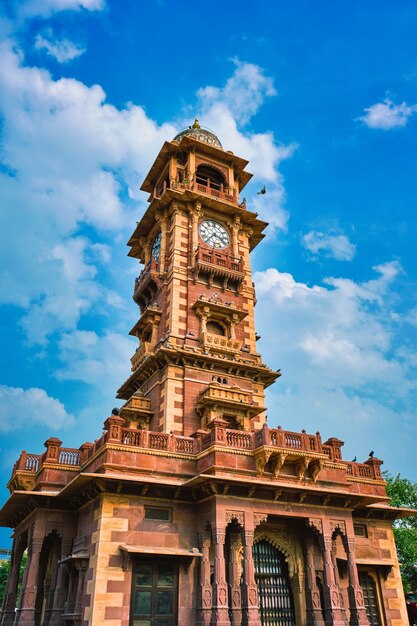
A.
x: 320, y: 97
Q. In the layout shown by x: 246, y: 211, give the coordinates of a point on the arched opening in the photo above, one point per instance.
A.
x: 210, y: 177
x: 215, y: 328
x: 276, y: 604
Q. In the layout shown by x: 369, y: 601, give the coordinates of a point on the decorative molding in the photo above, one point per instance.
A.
x: 338, y: 526
x: 259, y: 518
x: 315, y: 524
x: 238, y: 516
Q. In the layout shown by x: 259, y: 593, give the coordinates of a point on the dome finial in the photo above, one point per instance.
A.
x: 196, y: 124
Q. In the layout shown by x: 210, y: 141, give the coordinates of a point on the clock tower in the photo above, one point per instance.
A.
x: 196, y: 360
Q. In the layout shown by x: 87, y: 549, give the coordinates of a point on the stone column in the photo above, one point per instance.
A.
x: 358, y: 615
x: 332, y: 608
x: 234, y: 582
x: 9, y: 603
x: 26, y: 611
x: 204, y: 588
x: 81, y: 566
x: 250, y: 601
x: 337, y: 582
x: 314, y: 609
x: 220, y: 612
x: 59, y: 597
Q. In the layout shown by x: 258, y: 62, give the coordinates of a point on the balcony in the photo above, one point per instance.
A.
x: 144, y: 350
x: 220, y: 192
x: 147, y: 284
x: 212, y: 260
x: 218, y: 343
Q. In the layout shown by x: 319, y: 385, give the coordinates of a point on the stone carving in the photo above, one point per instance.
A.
x: 252, y: 597
x: 290, y: 550
x: 239, y: 516
x: 207, y: 598
x: 338, y: 526
x: 259, y: 518
x: 222, y: 596
x: 301, y: 467
x: 316, y: 524
x: 261, y: 459
x: 277, y: 462
x: 315, y: 469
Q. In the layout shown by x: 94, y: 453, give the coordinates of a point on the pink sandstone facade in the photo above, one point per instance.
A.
x: 189, y: 510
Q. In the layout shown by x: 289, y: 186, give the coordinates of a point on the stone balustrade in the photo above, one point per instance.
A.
x: 220, y: 343
x: 218, y: 435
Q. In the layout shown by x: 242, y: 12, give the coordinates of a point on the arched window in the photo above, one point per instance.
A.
x: 206, y: 174
x: 215, y: 328
x: 276, y: 604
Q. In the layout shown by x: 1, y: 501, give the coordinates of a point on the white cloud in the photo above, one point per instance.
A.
x: 336, y: 246
x: 62, y: 50
x: 45, y: 8
x: 243, y: 93
x: 343, y: 362
x: 224, y: 109
x: 70, y: 158
x: 95, y: 360
x: 387, y: 115
x: 22, y: 407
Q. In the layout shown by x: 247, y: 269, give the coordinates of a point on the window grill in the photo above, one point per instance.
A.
x: 276, y: 605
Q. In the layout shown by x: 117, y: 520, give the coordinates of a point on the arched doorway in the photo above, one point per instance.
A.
x: 276, y: 605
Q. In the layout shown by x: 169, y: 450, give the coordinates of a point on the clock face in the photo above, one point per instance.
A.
x: 156, y: 247
x: 214, y: 234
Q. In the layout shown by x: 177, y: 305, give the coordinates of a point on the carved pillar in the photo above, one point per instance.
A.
x: 332, y: 608
x: 59, y: 597
x: 250, y: 602
x: 81, y: 567
x: 358, y: 615
x: 204, y: 587
x: 220, y: 612
x: 195, y: 215
x: 234, y: 579
x: 337, y: 582
x: 26, y: 611
x: 314, y: 610
x: 9, y: 603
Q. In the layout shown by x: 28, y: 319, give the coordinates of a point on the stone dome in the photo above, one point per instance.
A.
x: 201, y: 134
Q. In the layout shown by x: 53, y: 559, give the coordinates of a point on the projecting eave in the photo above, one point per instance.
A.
x: 391, y: 512
x: 171, y: 147
x: 20, y: 500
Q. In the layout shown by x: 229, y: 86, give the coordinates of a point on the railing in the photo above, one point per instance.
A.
x: 362, y: 470
x: 202, y: 186
x: 239, y: 439
x: 144, y: 349
x: 185, y: 445
x: 152, y: 267
x: 32, y: 462
x: 218, y: 259
x: 222, y: 393
x: 131, y: 436
x: 68, y: 456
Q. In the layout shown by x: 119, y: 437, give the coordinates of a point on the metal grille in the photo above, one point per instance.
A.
x: 275, y: 598
x: 370, y: 599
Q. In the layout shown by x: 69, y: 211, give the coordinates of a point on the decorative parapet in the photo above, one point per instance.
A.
x: 217, y: 343
x: 267, y: 446
x: 216, y: 263
x: 144, y: 350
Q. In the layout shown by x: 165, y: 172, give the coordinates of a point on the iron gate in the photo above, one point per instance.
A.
x: 276, y: 605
